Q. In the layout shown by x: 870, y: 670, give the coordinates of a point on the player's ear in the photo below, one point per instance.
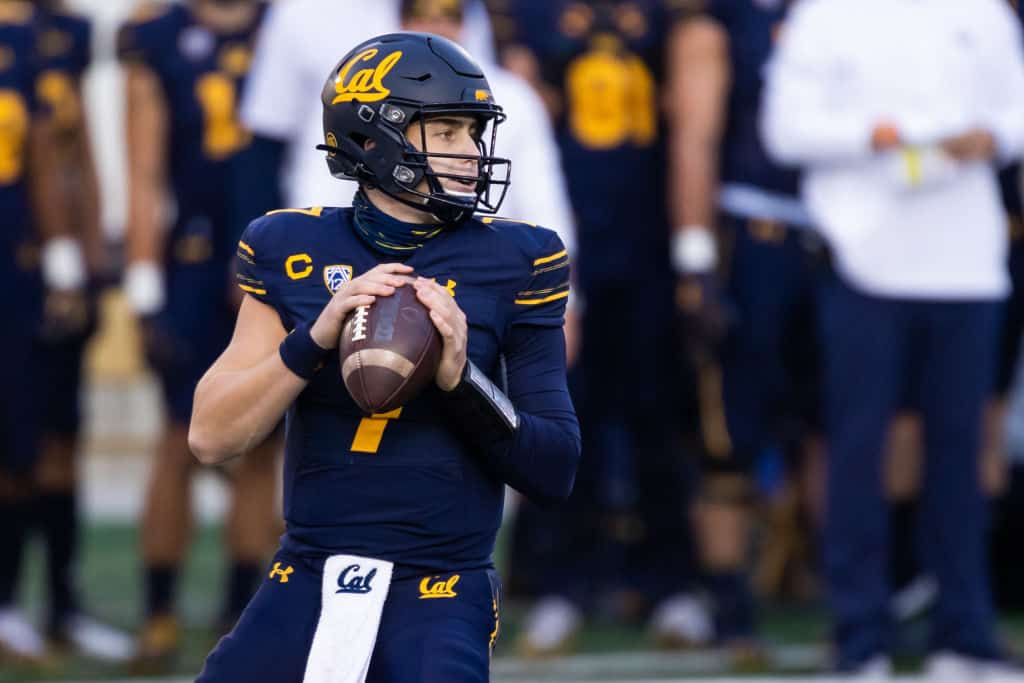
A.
x: 369, y: 144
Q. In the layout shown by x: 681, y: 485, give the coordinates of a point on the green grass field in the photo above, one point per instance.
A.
x: 110, y: 579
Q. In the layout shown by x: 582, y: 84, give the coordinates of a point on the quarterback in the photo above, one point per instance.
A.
x: 385, y: 570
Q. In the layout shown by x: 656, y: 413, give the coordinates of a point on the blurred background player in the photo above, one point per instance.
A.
x: 297, y: 45
x: 723, y: 178
x: 600, y: 67
x: 539, y: 193
x: 63, y: 44
x: 901, y: 181
x: 185, y: 66
x: 38, y: 259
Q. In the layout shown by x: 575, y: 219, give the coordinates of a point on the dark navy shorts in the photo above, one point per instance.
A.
x: 434, y: 628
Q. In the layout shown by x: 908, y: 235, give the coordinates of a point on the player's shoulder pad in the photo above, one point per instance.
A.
x: 66, y: 35
x: 275, y: 231
x: 17, y: 13
x: 543, y: 261
x: 150, y: 27
x: 539, y: 246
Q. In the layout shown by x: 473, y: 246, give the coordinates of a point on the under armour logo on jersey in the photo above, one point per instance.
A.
x: 439, y: 588
x: 365, y: 85
x: 336, y: 275
x: 280, y: 574
x: 349, y: 581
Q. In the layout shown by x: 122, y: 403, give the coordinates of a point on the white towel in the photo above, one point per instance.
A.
x: 353, y: 592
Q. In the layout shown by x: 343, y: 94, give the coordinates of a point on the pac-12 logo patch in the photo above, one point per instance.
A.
x: 350, y: 581
x: 335, y: 276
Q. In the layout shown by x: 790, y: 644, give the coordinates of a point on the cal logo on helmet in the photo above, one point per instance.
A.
x: 365, y: 85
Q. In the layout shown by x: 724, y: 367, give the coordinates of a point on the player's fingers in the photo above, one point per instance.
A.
x: 387, y: 279
x: 370, y: 287
x: 434, y: 295
x: 393, y: 267
x: 443, y: 326
x: 353, y: 302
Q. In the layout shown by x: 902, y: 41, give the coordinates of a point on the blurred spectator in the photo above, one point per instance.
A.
x: 297, y: 46
x: 64, y: 47
x: 33, y: 207
x: 600, y: 67
x: 898, y: 141
x: 754, y: 393
x: 185, y: 65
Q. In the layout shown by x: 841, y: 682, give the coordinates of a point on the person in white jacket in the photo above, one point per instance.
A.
x: 899, y: 112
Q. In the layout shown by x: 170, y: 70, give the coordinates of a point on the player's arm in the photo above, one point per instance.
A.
x: 84, y: 187
x: 530, y: 437
x: 699, y: 79
x: 246, y: 392
x: 147, y: 125
x: 62, y: 264
x: 807, y: 116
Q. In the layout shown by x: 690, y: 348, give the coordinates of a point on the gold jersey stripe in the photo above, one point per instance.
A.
x: 252, y: 290
x: 549, y: 259
x: 543, y: 300
x: 246, y: 248
x: 314, y: 211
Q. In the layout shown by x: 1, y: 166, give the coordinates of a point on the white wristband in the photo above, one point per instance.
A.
x: 144, y: 287
x: 63, y: 264
x: 694, y: 250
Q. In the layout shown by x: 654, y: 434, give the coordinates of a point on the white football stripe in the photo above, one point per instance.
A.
x: 377, y: 358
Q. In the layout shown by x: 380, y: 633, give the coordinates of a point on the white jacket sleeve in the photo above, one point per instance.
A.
x: 1004, y: 109
x: 802, y: 120
x: 275, y: 102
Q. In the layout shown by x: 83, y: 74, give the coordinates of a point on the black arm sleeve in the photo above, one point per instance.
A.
x: 540, y: 457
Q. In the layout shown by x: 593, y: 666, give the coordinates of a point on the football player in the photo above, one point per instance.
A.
x: 385, y: 572
x: 63, y: 43
x: 33, y: 211
x: 601, y: 66
x: 725, y: 179
x: 185, y: 65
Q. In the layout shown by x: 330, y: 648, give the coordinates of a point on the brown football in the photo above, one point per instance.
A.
x: 389, y: 351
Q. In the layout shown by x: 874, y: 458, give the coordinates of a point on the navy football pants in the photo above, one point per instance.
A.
x: 769, y: 361
x: 443, y: 640
x: 868, y: 344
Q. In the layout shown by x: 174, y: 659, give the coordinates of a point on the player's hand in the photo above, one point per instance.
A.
x: 66, y: 314
x: 705, y: 316
x: 381, y: 280
x: 450, y: 321
x: 976, y: 144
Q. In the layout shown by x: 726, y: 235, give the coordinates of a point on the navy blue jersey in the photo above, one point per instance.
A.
x: 63, y: 46
x: 64, y: 42
x: 18, y: 105
x: 752, y: 27
x: 401, y: 486
x: 605, y: 63
x: 202, y: 74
